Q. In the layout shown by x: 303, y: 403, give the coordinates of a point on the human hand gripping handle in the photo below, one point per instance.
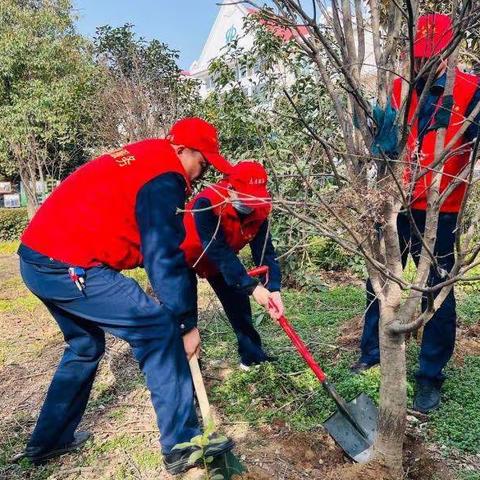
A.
x: 275, y: 306
x: 191, y: 343
x: 271, y: 301
x: 276, y: 311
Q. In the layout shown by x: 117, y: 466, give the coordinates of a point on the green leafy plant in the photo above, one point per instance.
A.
x: 199, y: 445
x: 12, y: 223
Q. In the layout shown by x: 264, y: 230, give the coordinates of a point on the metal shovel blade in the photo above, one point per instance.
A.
x: 356, y: 445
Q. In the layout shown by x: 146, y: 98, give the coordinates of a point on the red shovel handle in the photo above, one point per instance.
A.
x: 300, y: 346
x: 292, y: 334
x: 259, y: 272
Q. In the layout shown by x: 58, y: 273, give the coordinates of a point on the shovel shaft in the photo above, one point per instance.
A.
x: 202, y: 398
x: 307, y: 356
x: 258, y: 271
x: 302, y: 348
x: 292, y: 334
x: 330, y: 389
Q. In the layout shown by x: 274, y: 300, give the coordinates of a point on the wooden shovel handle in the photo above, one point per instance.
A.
x: 200, y: 390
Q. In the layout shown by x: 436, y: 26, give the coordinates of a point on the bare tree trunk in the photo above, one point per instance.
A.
x: 30, y: 193
x: 27, y: 176
x: 388, y: 446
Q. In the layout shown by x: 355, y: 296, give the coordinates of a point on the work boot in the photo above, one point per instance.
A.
x: 177, y: 461
x: 427, y: 397
x: 359, y: 366
x: 37, y: 456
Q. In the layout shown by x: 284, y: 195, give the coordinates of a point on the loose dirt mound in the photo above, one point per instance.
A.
x: 254, y: 474
x: 419, y: 464
x: 467, y: 343
x: 277, y: 452
x: 422, y: 464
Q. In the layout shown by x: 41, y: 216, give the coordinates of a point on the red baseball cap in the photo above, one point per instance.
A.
x: 250, y: 179
x: 434, y: 34
x: 198, y: 134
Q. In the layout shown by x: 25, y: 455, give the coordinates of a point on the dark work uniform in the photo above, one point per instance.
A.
x: 116, y: 304
x: 438, y: 339
x: 232, y: 284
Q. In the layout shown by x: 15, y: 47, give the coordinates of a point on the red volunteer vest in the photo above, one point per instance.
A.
x: 89, y: 219
x: 237, y: 232
x: 464, y: 89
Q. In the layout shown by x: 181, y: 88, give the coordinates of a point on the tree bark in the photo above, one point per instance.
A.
x: 388, y: 446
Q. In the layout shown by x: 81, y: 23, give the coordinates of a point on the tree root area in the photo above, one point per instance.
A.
x: 297, y: 457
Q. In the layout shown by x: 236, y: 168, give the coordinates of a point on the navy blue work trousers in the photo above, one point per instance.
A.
x: 239, y: 313
x: 116, y: 304
x: 438, y: 339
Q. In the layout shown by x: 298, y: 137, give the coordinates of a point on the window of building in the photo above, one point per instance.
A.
x: 242, y: 71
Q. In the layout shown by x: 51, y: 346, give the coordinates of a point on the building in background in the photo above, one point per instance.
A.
x: 228, y: 26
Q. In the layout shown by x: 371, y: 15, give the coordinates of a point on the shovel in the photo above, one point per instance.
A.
x: 354, y: 425
x: 227, y: 464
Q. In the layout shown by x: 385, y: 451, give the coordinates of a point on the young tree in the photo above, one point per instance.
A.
x: 356, y: 50
x: 47, y: 86
x: 144, y: 92
x: 256, y: 119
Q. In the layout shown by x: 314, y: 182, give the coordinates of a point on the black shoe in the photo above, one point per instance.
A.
x: 37, y: 456
x: 246, y: 364
x: 427, y: 397
x: 359, y: 367
x: 177, y: 461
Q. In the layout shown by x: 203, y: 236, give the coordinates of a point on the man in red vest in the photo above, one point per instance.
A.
x: 220, y: 221
x: 434, y: 34
x: 120, y: 211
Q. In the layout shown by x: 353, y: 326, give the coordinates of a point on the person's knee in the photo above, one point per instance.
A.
x: 89, y: 348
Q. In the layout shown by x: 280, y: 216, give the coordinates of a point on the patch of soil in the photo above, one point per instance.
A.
x: 467, y: 343
x: 350, y: 333
x: 419, y: 464
x: 275, y: 451
x: 371, y: 471
x: 422, y: 464
x: 254, y: 474
x: 9, y: 267
x: 340, y: 278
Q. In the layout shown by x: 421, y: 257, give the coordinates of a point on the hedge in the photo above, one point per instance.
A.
x: 12, y: 223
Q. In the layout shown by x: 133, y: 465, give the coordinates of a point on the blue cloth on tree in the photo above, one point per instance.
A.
x: 386, y: 138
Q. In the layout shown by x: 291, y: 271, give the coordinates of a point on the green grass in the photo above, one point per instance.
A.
x: 468, y: 308
x: 139, y: 275
x: 287, y: 389
x: 21, y: 304
x: 457, y: 422
x: 12, y: 441
x: 144, y: 456
x: 9, y: 248
x: 468, y: 476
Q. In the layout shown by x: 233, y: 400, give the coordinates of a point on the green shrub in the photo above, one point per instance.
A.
x: 12, y: 223
x: 327, y: 254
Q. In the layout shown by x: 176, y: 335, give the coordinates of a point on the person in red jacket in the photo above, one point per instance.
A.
x: 434, y: 34
x: 116, y: 212
x: 220, y: 221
